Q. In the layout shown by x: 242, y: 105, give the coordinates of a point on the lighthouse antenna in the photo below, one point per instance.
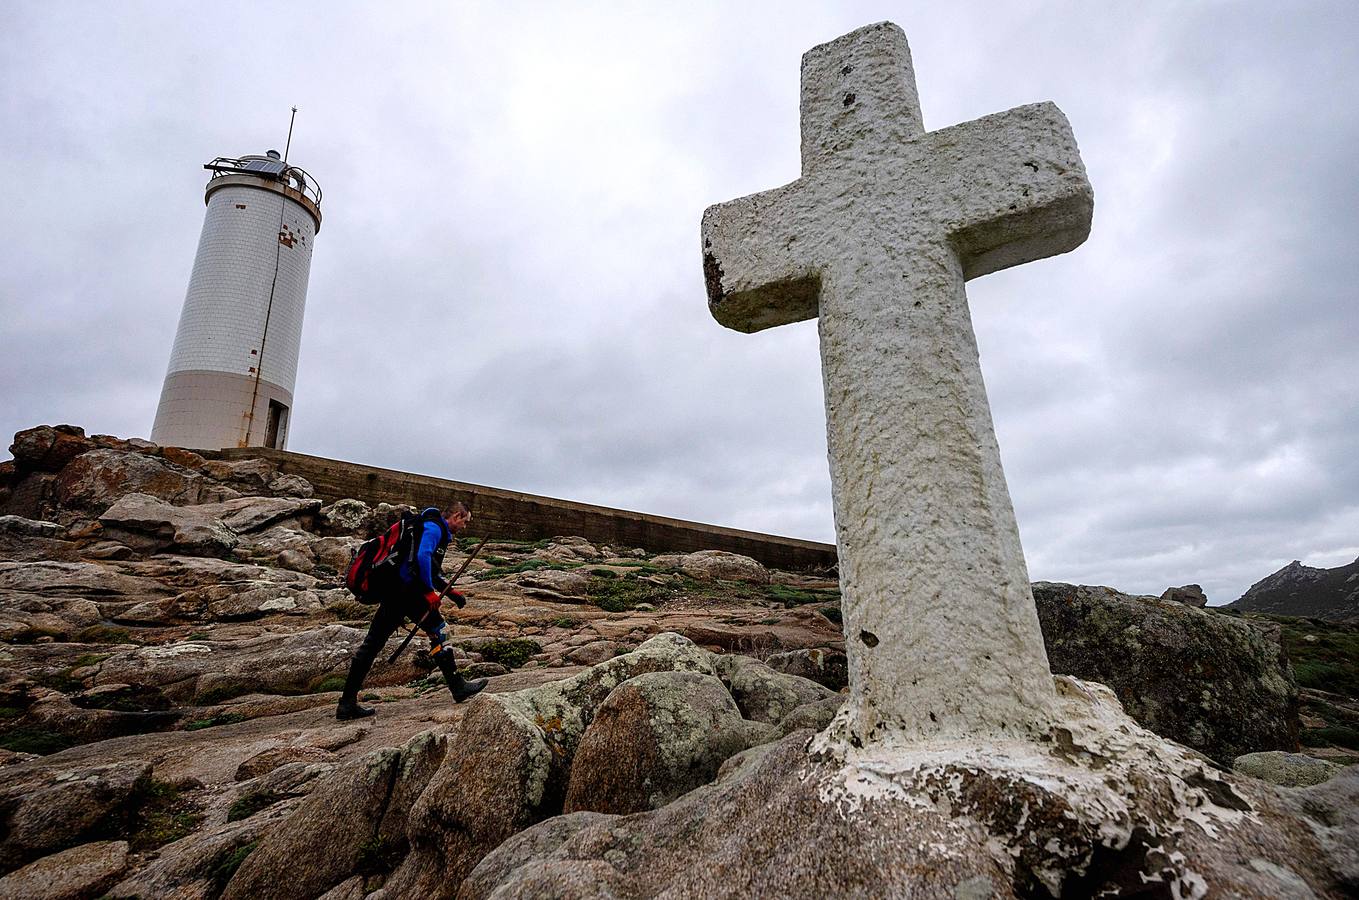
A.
x: 289, y: 144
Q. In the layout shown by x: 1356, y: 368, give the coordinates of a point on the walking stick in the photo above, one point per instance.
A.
x: 456, y: 575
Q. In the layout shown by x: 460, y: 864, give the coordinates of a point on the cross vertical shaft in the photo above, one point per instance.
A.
x: 877, y: 239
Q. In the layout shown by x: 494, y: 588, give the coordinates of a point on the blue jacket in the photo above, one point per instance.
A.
x: 423, y: 572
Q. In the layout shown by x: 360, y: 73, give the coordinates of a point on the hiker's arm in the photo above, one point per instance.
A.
x: 431, y: 581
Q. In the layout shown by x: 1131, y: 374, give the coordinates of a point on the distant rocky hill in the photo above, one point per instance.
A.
x: 1298, y: 590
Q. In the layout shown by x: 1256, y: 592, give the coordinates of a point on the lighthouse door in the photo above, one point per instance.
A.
x: 277, y: 430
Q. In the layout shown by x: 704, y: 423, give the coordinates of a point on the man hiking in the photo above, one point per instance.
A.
x: 411, y: 591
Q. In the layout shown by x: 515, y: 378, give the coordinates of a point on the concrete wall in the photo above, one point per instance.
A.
x: 508, y: 514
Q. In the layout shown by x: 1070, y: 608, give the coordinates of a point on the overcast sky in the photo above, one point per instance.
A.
x: 507, y: 287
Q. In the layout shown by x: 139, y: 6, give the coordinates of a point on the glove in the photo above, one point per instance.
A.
x: 458, y: 598
x: 432, y: 598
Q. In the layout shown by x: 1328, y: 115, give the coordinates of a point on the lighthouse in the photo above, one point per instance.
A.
x: 234, y: 362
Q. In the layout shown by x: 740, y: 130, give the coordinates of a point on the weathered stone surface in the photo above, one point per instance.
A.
x: 1189, y: 595
x: 564, y: 585
x: 48, y: 448
x: 762, y: 694
x: 655, y: 737
x: 291, y: 486
x: 823, y: 665
x: 951, y: 819
x: 286, y: 663
x: 346, y: 517
x: 814, y: 716
x: 594, y: 653
x: 372, y: 795
x: 188, y: 529
x: 80, y: 873
x: 267, y: 761
x: 719, y: 565
x: 252, y: 474
x: 25, y: 617
x: 79, y: 578
x: 30, y: 527
x: 95, y: 480
x: 568, y: 549
x: 876, y: 240
x: 1285, y: 769
x: 54, y: 811
x: 210, y: 529
x: 191, y: 868
x: 1214, y: 683
x: 512, y: 763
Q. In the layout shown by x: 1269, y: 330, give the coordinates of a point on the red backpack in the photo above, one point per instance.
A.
x: 378, y: 559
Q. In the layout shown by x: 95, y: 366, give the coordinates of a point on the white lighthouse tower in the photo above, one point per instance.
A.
x: 234, y: 362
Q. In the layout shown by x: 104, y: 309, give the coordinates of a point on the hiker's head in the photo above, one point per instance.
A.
x: 457, y: 516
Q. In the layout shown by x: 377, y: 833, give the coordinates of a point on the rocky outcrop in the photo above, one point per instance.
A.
x: 51, y: 812
x: 209, y: 529
x: 358, y: 815
x: 823, y: 665
x: 1218, y: 684
x: 1188, y: 594
x: 94, y: 481
x: 954, y: 821
x: 1286, y: 769
x: 716, y: 565
x: 123, y: 642
x: 80, y: 873
x: 204, y: 671
x: 48, y: 448
x: 632, y: 732
x: 1298, y: 590
x: 654, y: 738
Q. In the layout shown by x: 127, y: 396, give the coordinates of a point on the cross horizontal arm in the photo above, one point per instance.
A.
x: 1009, y: 188
x: 757, y: 261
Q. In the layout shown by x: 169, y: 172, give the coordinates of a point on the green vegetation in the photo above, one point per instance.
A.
x: 528, y: 565
x: 791, y: 597
x: 329, y: 683
x: 832, y: 613
x: 1333, y: 735
x: 164, y: 815
x: 89, y: 659
x: 10, y: 712
x: 103, y: 634
x: 248, y: 804
x: 565, y: 622
x: 640, y: 565
x: 378, y: 857
x: 34, y: 740
x: 622, y: 594
x: 604, y: 573
x: 227, y: 864
x: 214, y: 721
x: 60, y: 680
x: 221, y: 693
x: 1325, y: 655
x: 511, y: 653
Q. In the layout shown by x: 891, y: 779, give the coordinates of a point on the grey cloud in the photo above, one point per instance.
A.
x: 512, y: 199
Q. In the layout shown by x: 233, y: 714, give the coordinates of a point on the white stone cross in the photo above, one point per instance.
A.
x: 876, y: 240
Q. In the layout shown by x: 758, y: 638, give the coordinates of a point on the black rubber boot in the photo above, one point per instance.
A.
x: 460, y: 687
x: 349, y: 708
